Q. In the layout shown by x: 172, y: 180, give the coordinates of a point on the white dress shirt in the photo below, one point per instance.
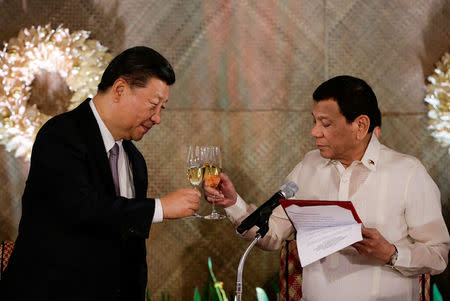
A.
x: 123, y: 165
x: 391, y: 192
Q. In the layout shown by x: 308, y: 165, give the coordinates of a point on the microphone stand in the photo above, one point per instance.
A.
x: 241, y: 268
x: 263, y: 224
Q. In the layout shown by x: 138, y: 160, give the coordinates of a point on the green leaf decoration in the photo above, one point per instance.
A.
x: 148, y: 296
x: 165, y: 297
x: 212, y: 294
x: 275, y: 288
x: 218, y: 285
x: 211, y: 270
x: 261, y: 294
x: 196, y: 295
x: 205, y: 294
x: 436, y: 294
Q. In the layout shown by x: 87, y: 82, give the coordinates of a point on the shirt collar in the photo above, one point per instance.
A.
x: 369, y: 159
x: 107, y: 137
x: 324, y: 162
x: 372, y: 153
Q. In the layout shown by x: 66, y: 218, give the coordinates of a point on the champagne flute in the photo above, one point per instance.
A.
x: 195, y: 168
x: 213, y: 167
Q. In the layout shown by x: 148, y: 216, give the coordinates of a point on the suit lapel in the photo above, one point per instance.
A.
x: 138, y: 167
x: 94, y: 141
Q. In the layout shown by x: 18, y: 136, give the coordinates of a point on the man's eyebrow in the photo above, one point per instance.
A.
x: 320, y: 117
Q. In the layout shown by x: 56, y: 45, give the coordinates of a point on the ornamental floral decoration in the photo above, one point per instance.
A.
x: 438, y: 99
x: 79, y: 61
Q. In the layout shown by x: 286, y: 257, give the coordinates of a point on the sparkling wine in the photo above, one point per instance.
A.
x: 195, y: 175
x: 211, y: 176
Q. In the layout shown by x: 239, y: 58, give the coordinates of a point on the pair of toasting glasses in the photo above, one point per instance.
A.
x: 205, y: 163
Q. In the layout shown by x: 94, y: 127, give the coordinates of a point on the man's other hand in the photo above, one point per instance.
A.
x: 374, y: 245
x: 224, y: 195
x: 180, y: 203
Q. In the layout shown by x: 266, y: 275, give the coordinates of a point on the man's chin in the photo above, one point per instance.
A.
x: 324, y: 154
x: 137, y: 137
x: 140, y: 133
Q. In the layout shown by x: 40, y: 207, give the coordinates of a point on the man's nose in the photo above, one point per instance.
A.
x: 156, y: 118
x: 315, y: 131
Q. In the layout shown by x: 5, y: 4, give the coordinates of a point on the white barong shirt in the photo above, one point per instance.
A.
x: 391, y: 192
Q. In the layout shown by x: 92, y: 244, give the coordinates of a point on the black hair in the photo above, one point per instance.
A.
x: 354, y: 97
x: 137, y: 65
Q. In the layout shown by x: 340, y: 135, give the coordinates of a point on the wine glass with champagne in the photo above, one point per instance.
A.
x: 195, y: 168
x: 212, y: 165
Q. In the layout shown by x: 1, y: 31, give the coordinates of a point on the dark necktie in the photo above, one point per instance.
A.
x: 113, y: 159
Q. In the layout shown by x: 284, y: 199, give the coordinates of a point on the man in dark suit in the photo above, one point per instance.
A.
x: 85, y: 214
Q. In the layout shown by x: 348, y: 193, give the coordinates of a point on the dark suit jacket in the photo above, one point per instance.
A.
x: 77, y: 240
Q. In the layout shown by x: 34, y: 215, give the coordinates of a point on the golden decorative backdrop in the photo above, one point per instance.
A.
x: 438, y: 99
x: 55, y: 57
x: 245, y: 74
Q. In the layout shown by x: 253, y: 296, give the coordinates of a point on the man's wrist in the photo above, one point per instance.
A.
x: 232, y: 203
x: 238, y: 209
x: 393, y: 258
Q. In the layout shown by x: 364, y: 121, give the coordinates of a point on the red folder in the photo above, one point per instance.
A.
x: 344, y: 204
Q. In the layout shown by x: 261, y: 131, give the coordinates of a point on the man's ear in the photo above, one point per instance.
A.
x: 118, y: 88
x: 362, y: 123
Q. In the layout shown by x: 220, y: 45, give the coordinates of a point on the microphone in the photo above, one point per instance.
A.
x: 260, y: 217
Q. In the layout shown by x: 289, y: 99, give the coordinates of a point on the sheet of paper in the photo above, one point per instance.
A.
x: 322, y: 230
x: 320, y: 216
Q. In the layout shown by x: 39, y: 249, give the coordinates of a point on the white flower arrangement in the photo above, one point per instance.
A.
x: 78, y: 60
x: 438, y: 99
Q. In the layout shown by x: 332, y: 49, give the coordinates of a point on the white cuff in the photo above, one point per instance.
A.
x: 238, y: 210
x: 158, y: 215
x: 403, y: 257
